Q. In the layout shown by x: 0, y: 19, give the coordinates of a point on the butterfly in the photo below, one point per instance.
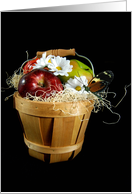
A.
x: 100, y: 82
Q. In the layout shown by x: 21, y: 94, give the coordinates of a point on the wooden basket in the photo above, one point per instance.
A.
x: 53, y: 132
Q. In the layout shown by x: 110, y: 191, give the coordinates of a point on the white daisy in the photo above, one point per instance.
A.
x: 60, y: 66
x: 42, y: 62
x: 77, y: 84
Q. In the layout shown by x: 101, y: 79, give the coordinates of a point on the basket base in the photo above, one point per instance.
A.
x: 50, y: 154
x: 46, y: 157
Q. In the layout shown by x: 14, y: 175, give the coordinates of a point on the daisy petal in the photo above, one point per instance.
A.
x: 76, y: 84
x: 60, y: 66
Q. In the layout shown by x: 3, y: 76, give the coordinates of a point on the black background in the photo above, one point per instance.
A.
x: 104, y: 164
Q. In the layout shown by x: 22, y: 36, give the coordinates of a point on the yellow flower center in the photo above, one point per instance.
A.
x: 49, y: 61
x: 78, y: 88
x: 59, y: 68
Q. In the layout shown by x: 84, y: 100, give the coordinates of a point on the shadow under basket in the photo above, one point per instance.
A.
x: 53, y: 132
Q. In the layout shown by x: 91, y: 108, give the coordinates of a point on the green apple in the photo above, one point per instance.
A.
x: 79, y: 69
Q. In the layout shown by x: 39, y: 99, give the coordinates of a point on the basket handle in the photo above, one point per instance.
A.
x: 57, y: 52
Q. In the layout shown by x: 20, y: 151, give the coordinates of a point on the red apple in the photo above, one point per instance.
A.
x: 39, y: 82
x: 29, y: 66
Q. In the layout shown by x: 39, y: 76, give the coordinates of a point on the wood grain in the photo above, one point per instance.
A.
x: 53, y: 135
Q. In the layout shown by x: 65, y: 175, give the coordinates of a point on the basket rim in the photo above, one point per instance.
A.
x: 17, y: 95
x: 51, y: 109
